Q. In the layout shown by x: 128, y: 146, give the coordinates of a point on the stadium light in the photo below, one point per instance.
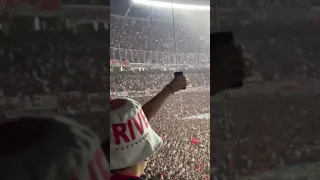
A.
x: 170, y: 5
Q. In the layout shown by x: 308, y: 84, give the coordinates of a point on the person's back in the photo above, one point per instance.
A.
x: 50, y: 147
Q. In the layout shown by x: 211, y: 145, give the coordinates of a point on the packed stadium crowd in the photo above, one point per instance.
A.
x: 179, y: 158
x: 284, y: 51
x: 265, y: 133
x: 38, y: 65
x: 247, y: 138
x: 156, y: 37
x: 43, y: 62
x: 258, y: 134
x: 139, y: 34
x: 154, y: 79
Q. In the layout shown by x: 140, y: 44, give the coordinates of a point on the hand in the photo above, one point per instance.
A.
x: 230, y: 72
x: 178, y: 83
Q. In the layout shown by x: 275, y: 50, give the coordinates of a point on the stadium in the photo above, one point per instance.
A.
x: 53, y: 58
x: 268, y: 130
x: 149, y: 42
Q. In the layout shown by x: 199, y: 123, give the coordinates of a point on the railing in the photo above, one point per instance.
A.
x: 152, y: 57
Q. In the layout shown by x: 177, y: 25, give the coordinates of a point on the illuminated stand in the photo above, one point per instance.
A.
x: 177, y: 57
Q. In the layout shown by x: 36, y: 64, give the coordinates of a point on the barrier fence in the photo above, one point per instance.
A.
x: 153, y: 57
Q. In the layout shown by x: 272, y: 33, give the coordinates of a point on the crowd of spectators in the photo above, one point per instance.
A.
x: 52, y: 62
x: 251, y: 135
x: 179, y: 158
x: 264, y: 133
x: 281, y: 51
x: 47, y: 62
x: 139, y: 34
x: 257, y: 134
x: 154, y: 79
x: 142, y: 41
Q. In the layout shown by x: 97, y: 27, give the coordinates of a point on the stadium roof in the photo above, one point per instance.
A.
x: 124, y: 7
x: 192, y: 2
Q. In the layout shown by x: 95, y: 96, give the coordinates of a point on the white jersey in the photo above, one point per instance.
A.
x: 68, y: 151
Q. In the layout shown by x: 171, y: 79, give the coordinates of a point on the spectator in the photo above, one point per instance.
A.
x: 123, y: 112
x: 148, y: 72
